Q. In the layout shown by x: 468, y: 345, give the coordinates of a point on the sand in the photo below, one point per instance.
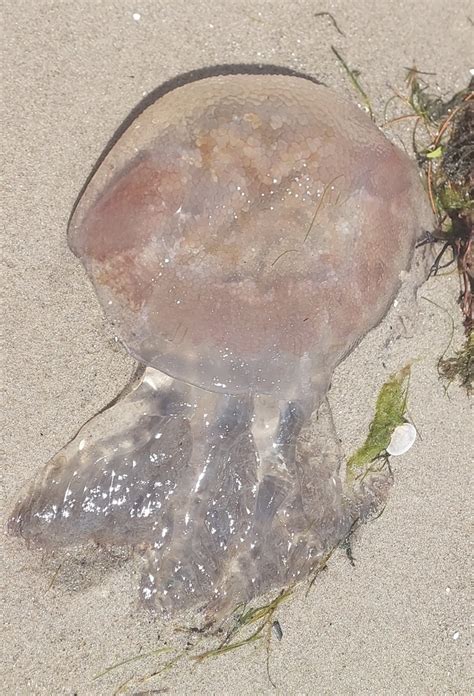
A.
x: 397, y: 622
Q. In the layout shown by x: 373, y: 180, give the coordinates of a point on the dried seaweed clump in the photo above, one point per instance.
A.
x: 460, y: 366
x: 445, y: 151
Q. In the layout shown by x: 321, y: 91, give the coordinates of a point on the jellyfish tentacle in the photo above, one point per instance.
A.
x: 310, y: 519
x: 115, y: 480
x: 191, y: 564
x: 289, y: 532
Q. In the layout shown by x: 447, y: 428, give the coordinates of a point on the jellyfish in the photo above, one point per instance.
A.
x: 242, y: 236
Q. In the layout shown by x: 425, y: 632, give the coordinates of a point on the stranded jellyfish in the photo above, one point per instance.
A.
x: 242, y: 236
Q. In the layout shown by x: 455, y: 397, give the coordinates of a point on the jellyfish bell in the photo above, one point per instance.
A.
x: 242, y: 236
x: 246, y: 231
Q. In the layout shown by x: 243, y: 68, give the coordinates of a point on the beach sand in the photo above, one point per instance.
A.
x: 397, y: 622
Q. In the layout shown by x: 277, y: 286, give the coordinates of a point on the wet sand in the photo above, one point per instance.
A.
x: 397, y: 622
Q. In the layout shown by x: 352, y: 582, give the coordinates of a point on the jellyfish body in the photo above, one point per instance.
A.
x: 242, y: 236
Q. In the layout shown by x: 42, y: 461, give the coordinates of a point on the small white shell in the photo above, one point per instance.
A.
x: 402, y: 439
